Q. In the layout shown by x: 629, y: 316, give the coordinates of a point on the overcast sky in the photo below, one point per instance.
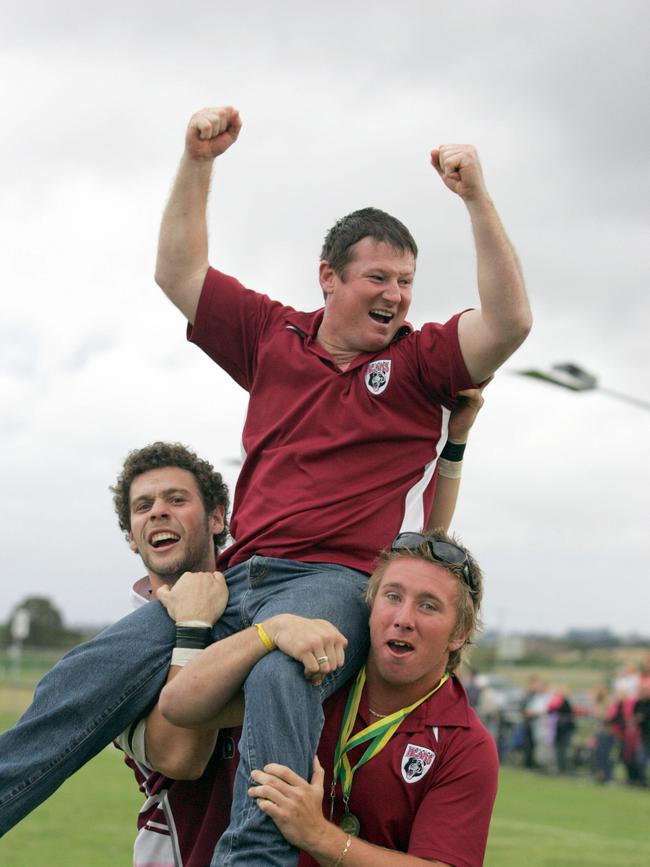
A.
x: 341, y: 104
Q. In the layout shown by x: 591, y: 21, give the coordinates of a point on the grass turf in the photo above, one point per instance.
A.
x: 539, y: 821
x: 90, y: 820
x: 547, y: 821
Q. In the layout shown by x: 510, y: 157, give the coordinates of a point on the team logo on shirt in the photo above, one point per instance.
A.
x: 377, y: 376
x: 416, y: 762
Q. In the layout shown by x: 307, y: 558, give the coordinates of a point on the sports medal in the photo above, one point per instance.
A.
x: 377, y: 734
x: 350, y: 824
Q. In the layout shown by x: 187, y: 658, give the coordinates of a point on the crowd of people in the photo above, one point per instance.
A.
x: 553, y: 729
x: 623, y: 734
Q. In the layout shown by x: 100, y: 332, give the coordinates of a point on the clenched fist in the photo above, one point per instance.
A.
x: 211, y: 131
x: 459, y: 167
x: 195, y: 596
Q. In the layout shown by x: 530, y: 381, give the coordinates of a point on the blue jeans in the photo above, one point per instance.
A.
x: 100, y: 687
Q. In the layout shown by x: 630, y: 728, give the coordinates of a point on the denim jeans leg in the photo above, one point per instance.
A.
x: 283, y: 711
x: 85, y: 701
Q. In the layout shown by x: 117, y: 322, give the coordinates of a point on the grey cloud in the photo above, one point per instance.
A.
x: 87, y: 349
x: 339, y: 102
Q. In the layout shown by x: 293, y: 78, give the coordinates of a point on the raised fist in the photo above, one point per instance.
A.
x: 211, y: 131
x: 459, y: 167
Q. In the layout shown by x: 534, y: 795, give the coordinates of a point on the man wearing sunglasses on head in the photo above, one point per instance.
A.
x: 405, y: 773
x: 186, y: 809
x: 347, y: 419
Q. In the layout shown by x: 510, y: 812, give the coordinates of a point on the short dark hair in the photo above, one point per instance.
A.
x: 469, y: 601
x: 365, y: 223
x: 212, y: 487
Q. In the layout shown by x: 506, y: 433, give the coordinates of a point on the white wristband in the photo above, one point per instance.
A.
x: 200, y: 623
x: 182, y: 655
x: 450, y: 469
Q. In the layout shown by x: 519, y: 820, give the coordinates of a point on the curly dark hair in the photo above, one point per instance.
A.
x: 212, y: 487
x: 365, y: 223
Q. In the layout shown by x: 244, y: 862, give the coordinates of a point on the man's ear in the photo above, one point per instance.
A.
x: 326, y: 275
x: 216, y: 520
x: 455, y: 643
x: 131, y: 542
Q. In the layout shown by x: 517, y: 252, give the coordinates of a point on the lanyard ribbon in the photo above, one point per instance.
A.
x: 378, y: 733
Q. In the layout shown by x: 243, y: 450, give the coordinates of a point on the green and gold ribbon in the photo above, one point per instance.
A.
x: 378, y: 733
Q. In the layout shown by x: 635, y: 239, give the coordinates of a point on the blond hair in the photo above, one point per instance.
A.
x: 470, y: 593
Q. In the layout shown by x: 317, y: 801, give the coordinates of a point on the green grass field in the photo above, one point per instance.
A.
x: 550, y: 821
x: 88, y: 822
x: 539, y: 821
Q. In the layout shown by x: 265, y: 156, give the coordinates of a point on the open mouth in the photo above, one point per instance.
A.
x: 164, y: 539
x: 400, y: 647
x: 381, y: 316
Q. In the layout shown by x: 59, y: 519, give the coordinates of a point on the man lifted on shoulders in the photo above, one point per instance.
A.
x: 347, y: 418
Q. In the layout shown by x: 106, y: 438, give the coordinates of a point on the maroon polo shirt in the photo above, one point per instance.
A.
x: 337, y: 462
x: 431, y: 790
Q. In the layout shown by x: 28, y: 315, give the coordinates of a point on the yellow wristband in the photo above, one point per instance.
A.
x: 264, y: 638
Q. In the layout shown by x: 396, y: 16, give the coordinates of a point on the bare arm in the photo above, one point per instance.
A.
x: 460, y: 422
x: 183, y: 242
x: 204, y: 695
x: 489, y: 335
x: 183, y: 753
x: 444, y: 504
x: 208, y: 682
x: 177, y: 752
x: 295, y: 806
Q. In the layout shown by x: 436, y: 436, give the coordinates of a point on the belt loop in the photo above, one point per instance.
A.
x: 257, y: 569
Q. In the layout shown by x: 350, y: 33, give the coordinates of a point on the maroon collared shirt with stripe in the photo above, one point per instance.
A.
x: 337, y: 462
x: 431, y: 790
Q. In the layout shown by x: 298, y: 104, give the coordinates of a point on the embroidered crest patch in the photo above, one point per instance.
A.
x: 377, y: 375
x: 416, y: 762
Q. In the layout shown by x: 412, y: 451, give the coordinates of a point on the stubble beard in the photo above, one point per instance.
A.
x: 193, y: 559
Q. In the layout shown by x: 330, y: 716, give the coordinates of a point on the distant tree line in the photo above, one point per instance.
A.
x: 46, y: 626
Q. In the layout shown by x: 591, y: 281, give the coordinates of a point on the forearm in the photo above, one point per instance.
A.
x: 505, y: 315
x: 444, y: 504
x: 296, y: 805
x: 334, y: 841
x: 450, y: 462
x: 206, y: 684
x: 179, y: 753
x: 183, y: 242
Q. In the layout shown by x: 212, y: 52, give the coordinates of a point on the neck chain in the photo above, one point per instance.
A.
x: 378, y: 715
x: 377, y: 734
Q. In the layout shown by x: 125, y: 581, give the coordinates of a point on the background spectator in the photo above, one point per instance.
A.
x: 562, y: 713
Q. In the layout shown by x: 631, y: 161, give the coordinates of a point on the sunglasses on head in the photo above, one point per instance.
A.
x: 443, y: 552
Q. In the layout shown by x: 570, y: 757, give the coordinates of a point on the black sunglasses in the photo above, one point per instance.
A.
x: 444, y: 552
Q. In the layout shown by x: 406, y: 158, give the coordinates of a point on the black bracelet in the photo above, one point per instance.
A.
x: 195, y: 637
x: 453, y: 451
